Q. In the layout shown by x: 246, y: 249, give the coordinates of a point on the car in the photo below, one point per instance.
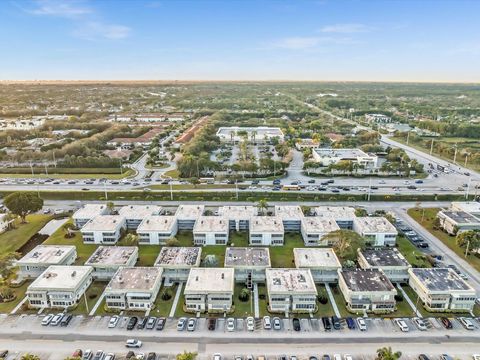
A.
x: 142, y: 322
x: 326, y: 323
x: 476, y: 357
x: 87, y: 355
x: 217, y: 356
x: 132, y: 322
x: 422, y: 245
x: 161, y: 323
x: 362, y: 324
x: 418, y: 181
x: 423, y: 357
x: 445, y: 357
x: 152, y: 320
x: 191, y: 324
x: 446, y: 323
x: 277, y: 324
x: 250, y: 323
x: 66, y: 319
x: 230, y: 324
x: 113, y: 321
x: 267, y: 323
x: 47, y: 320
x: 110, y: 356
x: 140, y: 356
x: 337, y: 357
x: 181, y: 324
x: 151, y: 356
x: 347, y: 357
x: 133, y: 343
x: 402, y: 325
x: 350, y: 323
x: 296, y: 324
x: 130, y: 355
x: 56, y: 319
x: 237, y: 357
x: 311, y: 181
x: 326, y: 357
x: 312, y: 358
x: 467, y: 323
x: 211, y: 323
x: 420, y: 324
x: 99, y: 355
x: 336, y: 323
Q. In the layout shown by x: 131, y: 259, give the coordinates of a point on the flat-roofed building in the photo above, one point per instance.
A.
x: 314, y: 229
x: 376, y: 230
x: 291, y: 216
x: 454, y: 222
x: 291, y: 290
x: 238, y: 216
x: 330, y: 156
x: 176, y: 262
x: 134, y: 214
x: 103, y: 229
x: 389, y: 260
x: 209, y: 289
x: 157, y: 229
x: 471, y: 207
x: 266, y: 231
x: 260, y: 134
x: 367, y: 290
x: 249, y: 263
x: 323, y: 263
x: 87, y: 212
x: 35, y: 262
x: 343, y: 215
x: 133, y: 288
x: 59, y: 286
x: 442, y: 289
x: 106, y: 260
x: 210, y: 230
x: 187, y: 215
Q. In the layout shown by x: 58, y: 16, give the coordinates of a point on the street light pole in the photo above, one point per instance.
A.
x: 431, y: 148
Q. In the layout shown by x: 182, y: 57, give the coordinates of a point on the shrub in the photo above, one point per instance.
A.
x: 166, y: 294
x: 399, y: 297
x: 244, y: 295
x: 322, y: 299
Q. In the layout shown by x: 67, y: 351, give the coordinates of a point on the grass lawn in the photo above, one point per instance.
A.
x: 327, y: 309
x: 340, y: 301
x: 429, y: 215
x: 162, y: 307
x: 93, y: 294
x: 242, y: 309
x: 262, y: 303
x: 174, y: 174
x: 12, y: 240
x: 126, y: 173
x: 179, y: 310
x: 282, y: 256
x: 191, y: 187
x: 413, y: 255
x: 20, y: 295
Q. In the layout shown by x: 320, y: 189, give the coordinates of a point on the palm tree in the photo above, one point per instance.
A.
x: 386, y: 353
x: 262, y: 205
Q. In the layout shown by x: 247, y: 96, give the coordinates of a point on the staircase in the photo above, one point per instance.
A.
x: 249, y: 281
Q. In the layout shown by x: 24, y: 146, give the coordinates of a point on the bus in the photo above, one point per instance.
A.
x: 207, y: 180
x: 290, y: 188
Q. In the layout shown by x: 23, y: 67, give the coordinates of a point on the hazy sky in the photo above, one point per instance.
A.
x: 222, y: 40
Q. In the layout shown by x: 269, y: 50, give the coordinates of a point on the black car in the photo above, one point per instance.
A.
x: 336, y: 323
x: 447, y: 323
x: 66, y: 319
x: 326, y: 323
x: 132, y: 322
x: 296, y: 324
x: 422, y: 245
x: 326, y: 357
x: 212, y: 323
x: 151, y: 356
x: 312, y: 181
x: 161, y: 323
x: 350, y: 323
x: 142, y: 323
x: 423, y: 357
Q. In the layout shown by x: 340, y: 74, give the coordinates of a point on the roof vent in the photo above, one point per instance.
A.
x: 74, y: 273
x: 223, y: 276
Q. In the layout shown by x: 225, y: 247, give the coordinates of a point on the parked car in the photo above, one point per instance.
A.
x: 277, y: 324
x: 250, y: 323
x: 347, y: 357
x: 181, y: 324
x: 56, y: 319
x: 230, y: 324
x: 326, y: 357
x: 217, y: 356
x: 47, y: 320
x: 326, y: 323
x: 191, y: 324
x: 130, y: 355
x: 336, y: 323
x: 446, y: 323
x: 110, y: 356
x: 132, y: 322
x: 161, y: 323
x: 87, y: 355
x: 423, y: 357
x: 66, y: 319
x: 362, y: 324
x: 296, y: 324
x: 151, y: 356
x: 152, y: 320
x: 267, y: 323
x: 99, y: 355
x: 133, y: 343
x: 420, y: 324
x: 350, y: 323
x: 113, y: 321
x: 402, y: 325
x: 212, y: 323
x: 467, y: 323
x: 142, y: 322
x: 445, y: 357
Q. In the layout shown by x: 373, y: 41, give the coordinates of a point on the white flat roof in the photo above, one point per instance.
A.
x: 179, y: 257
x: 104, y: 223
x: 238, y: 212
x: 290, y: 281
x: 58, y: 277
x: 317, y: 224
x: 157, y: 223
x: 316, y: 258
x: 89, y: 211
x: 214, y: 224
x: 266, y: 224
x: 47, y: 254
x: 289, y: 212
x: 247, y: 257
x: 189, y: 212
x: 139, y: 211
x: 337, y: 212
x: 340, y: 153
x: 210, y: 280
x: 261, y: 131
x: 135, y: 278
x: 375, y: 224
x: 112, y: 255
x: 472, y: 207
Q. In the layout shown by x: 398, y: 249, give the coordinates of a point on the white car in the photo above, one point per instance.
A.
x: 467, y: 323
x: 362, y: 324
x: 337, y: 357
x: 47, y: 319
x: 402, y: 325
x: 420, y: 324
x: 133, y: 343
x: 56, y: 319
x: 277, y: 323
x: 192, y: 324
x: 347, y: 357
x: 267, y: 323
x: 217, y: 356
x: 230, y: 324
x: 140, y: 356
x: 250, y: 323
x: 113, y: 321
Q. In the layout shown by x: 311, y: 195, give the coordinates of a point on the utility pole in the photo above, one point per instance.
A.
x: 31, y: 168
x: 369, y: 188
x: 408, y: 137
x: 46, y: 170
x: 467, y: 190
x: 105, y: 189
x: 54, y: 160
x: 466, y: 159
x: 171, y: 190
x: 455, y: 154
x: 467, y: 248
x: 431, y: 148
x: 236, y: 187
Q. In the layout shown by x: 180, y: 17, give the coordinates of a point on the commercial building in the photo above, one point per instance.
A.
x: 209, y: 289
x: 323, y: 263
x: 343, y: 215
x: 376, y: 230
x: 442, y: 289
x: 330, y: 156
x: 87, y: 212
x: 156, y: 229
x: 454, y: 222
x: 59, y: 286
x: 291, y: 290
x: 367, y: 290
x: 187, y: 215
x: 249, y: 263
x: 377, y: 118
x: 133, y: 288
x: 134, y: 214
x: 291, y: 216
x: 389, y: 260
x: 176, y: 262
x: 210, y: 230
x: 266, y: 231
x: 106, y: 260
x: 261, y: 134
x: 314, y: 229
x: 42, y: 256
x: 103, y: 229
x: 471, y: 207
x: 238, y: 216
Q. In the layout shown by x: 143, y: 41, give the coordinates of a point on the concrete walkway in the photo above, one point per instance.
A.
x: 97, y: 304
x: 19, y: 305
x: 332, y: 300
x: 175, y: 301
x: 256, y: 306
x: 409, y: 301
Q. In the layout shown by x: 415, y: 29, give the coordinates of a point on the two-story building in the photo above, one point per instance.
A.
x: 134, y: 214
x: 238, y: 216
x: 106, y: 260
x: 323, y: 263
x: 176, y: 263
x: 187, y: 215
x: 103, y: 229
x: 36, y: 261
x: 87, y: 212
x: 249, y: 263
x: 343, y: 215
x: 210, y: 230
x: 454, y: 222
x: 291, y: 215
x: 156, y: 229
x: 376, y: 230
x: 315, y: 228
x: 266, y: 231
x: 389, y: 260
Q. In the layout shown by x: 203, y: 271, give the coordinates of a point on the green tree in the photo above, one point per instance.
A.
x: 131, y: 239
x: 68, y: 228
x: 244, y: 295
x: 172, y: 242
x: 469, y: 239
x: 23, y: 203
x: 386, y: 353
x: 185, y: 356
x: 28, y: 356
x: 262, y: 205
x: 346, y: 243
x: 110, y: 206
x: 361, y: 212
x: 6, y: 263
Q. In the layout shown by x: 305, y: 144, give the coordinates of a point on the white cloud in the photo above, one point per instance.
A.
x: 346, y: 28
x: 95, y: 30
x: 297, y: 42
x: 69, y: 9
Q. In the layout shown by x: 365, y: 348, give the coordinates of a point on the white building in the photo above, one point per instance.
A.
x: 106, y: 260
x: 291, y: 290
x: 249, y: 263
x: 471, y: 207
x: 4, y: 222
x: 377, y: 118
x: 442, y: 290
x: 42, y: 256
x: 238, y: 216
x: 314, y: 229
x: 187, y: 215
x: 134, y: 214
x: 261, y: 134
x: 377, y: 231
x: 209, y: 289
x: 103, y: 229
x: 329, y: 156
x: 59, y: 286
x: 156, y: 230
x: 210, y: 230
x: 454, y: 222
x: 343, y: 215
x: 87, y: 212
x: 389, y: 260
x: 323, y: 263
x: 176, y: 262
x: 266, y: 231
x: 291, y: 215
x: 133, y: 288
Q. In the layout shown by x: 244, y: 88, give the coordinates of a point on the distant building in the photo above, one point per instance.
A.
x: 454, y: 222
x: 156, y: 229
x: 323, y: 263
x: 377, y: 231
x: 302, y: 144
x: 259, y: 134
x: 238, y: 216
x: 471, y: 207
x: 315, y: 228
x: 329, y: 156
x: 343, y: 215
x: 249, y: 263
x: 134, y: 214
x: 187, y: 215
x: 103, y: 229
x: 389, y: 260
x: 266, y: 231
x: 210, y: 230
x: 87, y: 213
x: 41, y: 257
x: 106, y: 260
x: 377, y: 118
x: 176, y: 262
x: 291, y: 216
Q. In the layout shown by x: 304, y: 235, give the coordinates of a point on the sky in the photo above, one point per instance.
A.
x: 317, y: 40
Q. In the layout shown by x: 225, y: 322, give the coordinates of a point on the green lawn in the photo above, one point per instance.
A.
x: 20, y: 295
x: 12, y: 240
x: 327, y: 309
x: 162, y: 307
x: 179, y: 310
x: 426, y: 218
x: 242, y: 309
x: 92, y: 294
x: 282, y: 256
x: 340, y: 301
x: 262, y: 303
x: 413, y: 255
